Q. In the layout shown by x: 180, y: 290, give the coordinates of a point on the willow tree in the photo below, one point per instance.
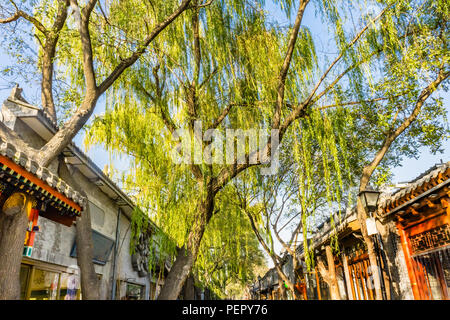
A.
x: 229, y: 252
x: 77, y: 37
x: 224, y: 67
x: 228, y: 256
x: 284, y: 207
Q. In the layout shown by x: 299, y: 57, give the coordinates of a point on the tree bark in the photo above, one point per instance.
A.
x: 65, y: 135
x: 347, y: 275
x: 330, y: 275
x: 189, y: 289
x: 13, y: 226
x: 90, y: 288
x: 48, y: 55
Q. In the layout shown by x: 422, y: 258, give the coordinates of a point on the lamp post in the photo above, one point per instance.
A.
x: 259, y: 283
x: 369, y: 199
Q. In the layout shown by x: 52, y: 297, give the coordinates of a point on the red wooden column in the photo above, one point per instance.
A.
x: 409, y: 262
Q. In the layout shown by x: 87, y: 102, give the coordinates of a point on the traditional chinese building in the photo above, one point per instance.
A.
x: 419, y: 216
x: 353, y: 277
x: 412, y: 242
x: 49, y: 265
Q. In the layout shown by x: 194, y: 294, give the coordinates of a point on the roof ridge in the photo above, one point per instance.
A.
x: 428, y: 174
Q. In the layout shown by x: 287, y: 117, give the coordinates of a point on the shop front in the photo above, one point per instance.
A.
x: 427, y: 250
x: 422, y: 216
x: 41, y: 281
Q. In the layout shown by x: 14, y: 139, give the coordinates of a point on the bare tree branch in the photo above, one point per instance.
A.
x: 124, y: 64
x: 390, y: 138
x: 287, y: 63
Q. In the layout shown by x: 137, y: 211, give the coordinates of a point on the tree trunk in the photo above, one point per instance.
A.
x: 347, y: 275
x: 329, y: 276
x: 85, y: 250
x: 13, y: 226
x: 187, y: 255
x: 85, y: 253
x: 64, y: 136
x: 47, y: 78
x: 189, y: 289
x: 282, y: 290
x: 283, y: 279
x: 335, y: 294
x: 370, y: 250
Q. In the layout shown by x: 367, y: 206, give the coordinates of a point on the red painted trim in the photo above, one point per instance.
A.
x: 10, y: 164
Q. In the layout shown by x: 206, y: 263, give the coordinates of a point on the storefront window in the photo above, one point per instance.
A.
x: 70, y: 287
x: 44, y: 285
x: 37, y: 283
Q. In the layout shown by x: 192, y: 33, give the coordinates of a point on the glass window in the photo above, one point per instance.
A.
x: 102, y: 248
x: 70, y: 286
x: 44, y: 285
x: 40, y: 284
x: 134, y: 292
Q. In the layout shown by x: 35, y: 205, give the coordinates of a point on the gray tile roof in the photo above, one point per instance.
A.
x: 425, y: 177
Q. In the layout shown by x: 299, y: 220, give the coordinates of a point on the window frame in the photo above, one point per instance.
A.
x: 35, y: 264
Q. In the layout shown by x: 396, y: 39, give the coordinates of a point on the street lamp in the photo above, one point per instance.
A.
x: 369, y: 199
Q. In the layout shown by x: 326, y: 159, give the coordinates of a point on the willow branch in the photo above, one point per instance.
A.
x: 390, y: 138
x: 300, y: 110
x: 339, y: 57
x: 356, y: 102
x: 164, y: 116
x: 222, y: 116
x: 124, y: 64
x: 287, y: 62
x: 19, y: 13
x: 203, y: 5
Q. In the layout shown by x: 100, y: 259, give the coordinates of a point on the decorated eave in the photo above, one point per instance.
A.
x: 45, y: 128
x: 425, y: 196
x: 55, y: 199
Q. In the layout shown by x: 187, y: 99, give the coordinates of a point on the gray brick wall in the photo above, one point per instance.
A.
x: 400, y: 282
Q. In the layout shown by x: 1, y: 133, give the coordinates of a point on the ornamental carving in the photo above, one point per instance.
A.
x: 140, y: 258
x: 431, y: 239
